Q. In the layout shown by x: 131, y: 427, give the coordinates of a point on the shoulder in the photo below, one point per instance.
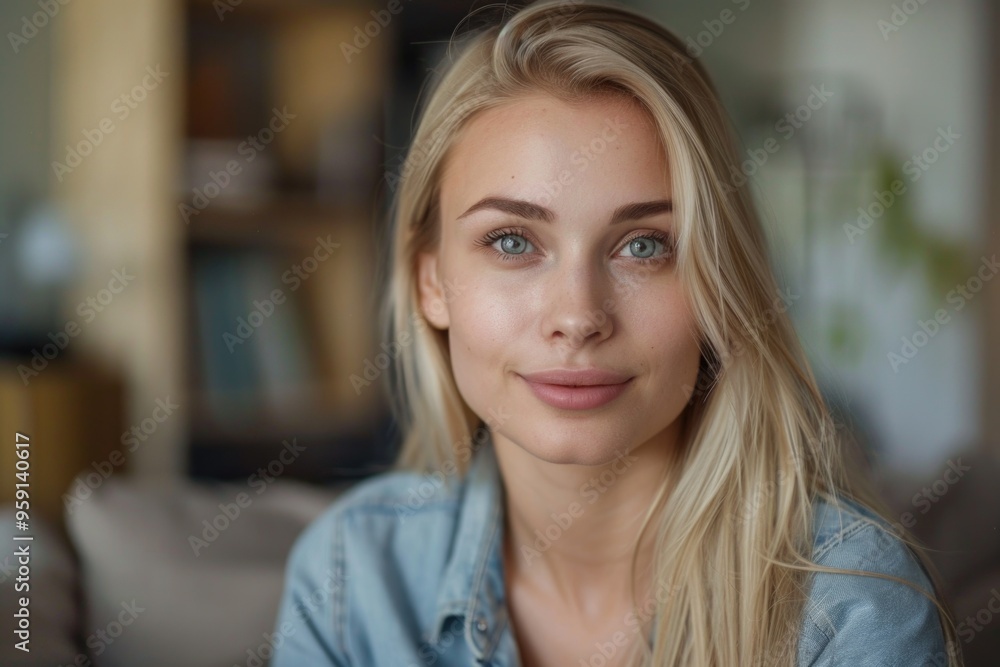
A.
x: 384, y: 527
x: 848, y: 532
x: 377, y: 508
x: 362, y: 547
x: 845, y: 523
x: 867, y: 618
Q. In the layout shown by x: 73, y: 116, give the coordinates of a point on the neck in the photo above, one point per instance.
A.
x: 570, y: 530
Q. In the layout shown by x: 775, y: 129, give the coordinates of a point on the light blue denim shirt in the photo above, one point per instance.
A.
x: 405, y: 571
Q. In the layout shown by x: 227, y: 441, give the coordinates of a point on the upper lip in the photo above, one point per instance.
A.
x: 578, y: 376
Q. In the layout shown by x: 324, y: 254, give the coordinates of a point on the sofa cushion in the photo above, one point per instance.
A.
x: 189, y: 574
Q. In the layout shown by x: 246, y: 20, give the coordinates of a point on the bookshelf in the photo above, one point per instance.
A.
x: 281, y: 168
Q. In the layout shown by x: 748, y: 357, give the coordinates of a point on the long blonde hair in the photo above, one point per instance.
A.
x: 757, y: 421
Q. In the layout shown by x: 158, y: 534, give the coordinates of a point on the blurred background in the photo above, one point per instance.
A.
x: 192, y: 234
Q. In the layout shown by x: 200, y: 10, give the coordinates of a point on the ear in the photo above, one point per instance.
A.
x: 432, y: 302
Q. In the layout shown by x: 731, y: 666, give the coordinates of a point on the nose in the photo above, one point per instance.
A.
x: 576, y: 315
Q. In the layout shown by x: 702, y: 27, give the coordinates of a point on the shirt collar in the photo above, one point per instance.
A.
x: 473, y: 584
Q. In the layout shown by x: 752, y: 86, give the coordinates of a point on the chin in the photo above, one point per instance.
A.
x: 575, y: 450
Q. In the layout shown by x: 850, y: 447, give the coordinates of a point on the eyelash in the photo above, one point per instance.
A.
x: 492, y: 237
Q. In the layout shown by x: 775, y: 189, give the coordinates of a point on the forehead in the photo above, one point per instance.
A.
x: 599, y: 152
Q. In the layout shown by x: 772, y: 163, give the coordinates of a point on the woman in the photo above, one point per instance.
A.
x: 614, y: 450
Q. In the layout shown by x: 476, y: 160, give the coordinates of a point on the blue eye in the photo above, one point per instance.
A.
x: 509, y: 244
x: 514, y: 244
x: 644, y: 247
x: 511, y: 241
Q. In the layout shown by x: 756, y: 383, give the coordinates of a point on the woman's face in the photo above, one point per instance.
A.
x: 555, y: 254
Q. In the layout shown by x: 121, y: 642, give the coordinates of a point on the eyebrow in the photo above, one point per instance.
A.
x: 529, y: 211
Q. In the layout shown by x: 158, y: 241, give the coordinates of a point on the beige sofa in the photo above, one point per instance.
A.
x: 133, y: 585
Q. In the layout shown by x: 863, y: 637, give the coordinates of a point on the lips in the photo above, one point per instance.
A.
x: 578, y: 377
x: 578, y: 389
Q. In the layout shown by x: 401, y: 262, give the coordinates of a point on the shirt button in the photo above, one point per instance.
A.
x: 481, y: 624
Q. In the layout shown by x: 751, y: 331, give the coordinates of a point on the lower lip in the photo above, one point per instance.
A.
x: 577, y: 398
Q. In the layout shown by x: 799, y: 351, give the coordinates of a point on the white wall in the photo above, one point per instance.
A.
x: 121, y: 200
x: 924, y: 76
x: 928, y: 74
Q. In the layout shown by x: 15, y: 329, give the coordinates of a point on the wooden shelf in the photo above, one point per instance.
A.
x: 258, y: 427
x: 310, y: 181
x: 285, y: 220
x: 264, y: 8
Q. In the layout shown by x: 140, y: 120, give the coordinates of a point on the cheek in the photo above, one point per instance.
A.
x: 488, y: 323
x: 665, y: 335
x: 488, y: 317
x: 492, y: 308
